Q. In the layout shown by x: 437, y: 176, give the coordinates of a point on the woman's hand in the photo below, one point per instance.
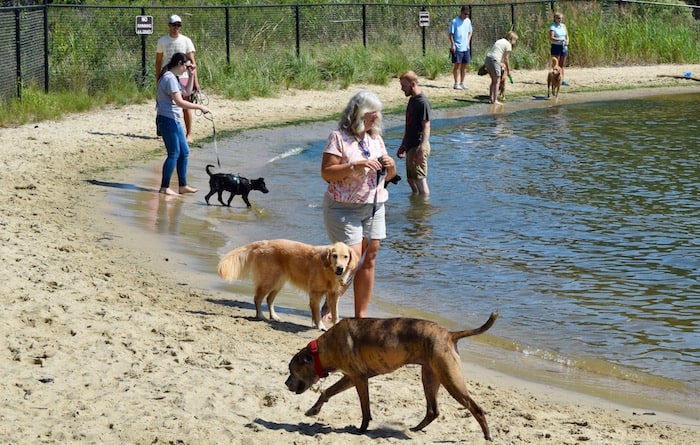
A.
x: 386, y: 162
x: 367, y: 165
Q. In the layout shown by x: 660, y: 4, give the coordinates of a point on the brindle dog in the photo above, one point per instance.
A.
x: 361, y: 348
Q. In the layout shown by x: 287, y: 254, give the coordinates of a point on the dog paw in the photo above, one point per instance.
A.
x: 314, y: 410
x: 320, y: 326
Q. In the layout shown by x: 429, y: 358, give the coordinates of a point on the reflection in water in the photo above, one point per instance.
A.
x: 560, y: 121
x: 164, y: 213
x: 418, y: 215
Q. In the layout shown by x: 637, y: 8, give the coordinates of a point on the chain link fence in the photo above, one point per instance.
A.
x: 23, y: 49
x: 61, y: 47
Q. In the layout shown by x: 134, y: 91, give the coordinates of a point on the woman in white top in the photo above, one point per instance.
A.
x: 499, y: 53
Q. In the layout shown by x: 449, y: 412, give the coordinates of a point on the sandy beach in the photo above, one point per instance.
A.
x: 109, y: 342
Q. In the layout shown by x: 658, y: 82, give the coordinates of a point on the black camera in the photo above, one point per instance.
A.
x: 394, y: 180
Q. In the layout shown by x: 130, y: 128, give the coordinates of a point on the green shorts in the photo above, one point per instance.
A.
x: 417, y: 171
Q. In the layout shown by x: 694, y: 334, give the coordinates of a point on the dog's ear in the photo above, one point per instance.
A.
x: 327, y: 257
x: 354, y: 260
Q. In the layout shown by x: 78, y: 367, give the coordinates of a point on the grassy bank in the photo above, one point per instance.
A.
x: 602, y: 34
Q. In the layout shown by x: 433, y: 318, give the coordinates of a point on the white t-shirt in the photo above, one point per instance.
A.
x: 169, y: 46
x: 498, y: 49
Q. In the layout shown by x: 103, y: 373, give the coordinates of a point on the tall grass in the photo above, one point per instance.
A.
x: 84, y: 75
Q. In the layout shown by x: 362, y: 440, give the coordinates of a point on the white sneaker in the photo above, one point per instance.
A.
x: 462, y: 87
x: 456, y: 87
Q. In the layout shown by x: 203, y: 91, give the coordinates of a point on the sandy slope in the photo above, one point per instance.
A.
x: 103, y: 343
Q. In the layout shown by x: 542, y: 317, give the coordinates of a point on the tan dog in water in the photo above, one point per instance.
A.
x: 318, y: 270
x: 361, y: 348
x: 554, y: 78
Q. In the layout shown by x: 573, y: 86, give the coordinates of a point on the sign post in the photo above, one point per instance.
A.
x: 423, y: 22
x: 144, y: 27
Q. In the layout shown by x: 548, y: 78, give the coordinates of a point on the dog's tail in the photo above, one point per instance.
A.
x: 235, y: 263
x: 208, y: 167
x: 480, y: 330
x: 555, y: 63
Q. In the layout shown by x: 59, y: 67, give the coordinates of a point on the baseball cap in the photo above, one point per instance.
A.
x: 174, y: 19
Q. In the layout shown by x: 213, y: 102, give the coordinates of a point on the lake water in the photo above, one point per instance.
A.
x: 578, y: 222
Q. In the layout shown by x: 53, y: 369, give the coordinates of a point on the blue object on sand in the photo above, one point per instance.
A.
x: 688, y: 74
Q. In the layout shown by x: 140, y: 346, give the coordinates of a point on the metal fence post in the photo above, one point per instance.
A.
x: 364, y: 25
x: 18, y: 54
x: 422, y: 29
x: 298, y: 28
x: 228, y: 36
x: 46, y: 47
x: 144, y: 72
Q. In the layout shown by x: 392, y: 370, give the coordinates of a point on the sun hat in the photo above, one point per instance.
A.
x: 174, y: 19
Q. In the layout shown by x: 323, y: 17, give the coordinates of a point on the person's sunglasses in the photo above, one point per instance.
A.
x: 365, y: 149
x: 177, y: 25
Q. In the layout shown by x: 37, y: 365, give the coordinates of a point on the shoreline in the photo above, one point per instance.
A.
x: 109, y: 343
x: 585, y: 376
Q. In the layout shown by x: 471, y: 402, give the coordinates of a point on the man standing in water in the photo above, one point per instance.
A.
x: 415, y: 145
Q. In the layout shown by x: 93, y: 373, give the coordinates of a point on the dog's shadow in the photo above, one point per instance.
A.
x: 312, y: 429
x: 554, y: 99
x: 283, y: 326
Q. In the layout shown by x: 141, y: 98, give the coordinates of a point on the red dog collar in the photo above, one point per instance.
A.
x: 313, y: 346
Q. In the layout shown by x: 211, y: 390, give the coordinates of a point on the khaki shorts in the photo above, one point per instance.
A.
x: 417, y: 171
x: 351, y: 223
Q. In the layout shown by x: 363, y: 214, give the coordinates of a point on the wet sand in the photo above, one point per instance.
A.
x: 112, y: 338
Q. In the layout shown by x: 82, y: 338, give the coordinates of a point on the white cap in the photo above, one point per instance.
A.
x: 174, y: 19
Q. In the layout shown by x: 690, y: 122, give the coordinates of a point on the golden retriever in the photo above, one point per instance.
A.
x: 554, y: 78
x: 318, y: 270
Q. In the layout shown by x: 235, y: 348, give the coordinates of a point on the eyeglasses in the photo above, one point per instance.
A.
x: 364, y: 147
x: 177, y: 25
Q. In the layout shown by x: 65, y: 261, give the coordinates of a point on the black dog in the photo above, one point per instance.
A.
x: 237, y: 185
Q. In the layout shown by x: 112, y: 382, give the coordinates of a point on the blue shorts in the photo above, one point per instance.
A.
x: 559, y: 50
x: 461, y: 56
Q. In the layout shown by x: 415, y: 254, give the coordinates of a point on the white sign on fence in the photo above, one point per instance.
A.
x: 144, y: 24
x: 424, y: 18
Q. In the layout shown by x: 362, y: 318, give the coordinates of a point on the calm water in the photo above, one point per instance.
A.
x: 579, y: 223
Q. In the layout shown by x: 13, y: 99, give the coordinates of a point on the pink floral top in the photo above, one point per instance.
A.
x: 359, y: 187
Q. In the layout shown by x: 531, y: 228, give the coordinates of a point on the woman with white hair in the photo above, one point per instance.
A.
x: 356, y: 165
